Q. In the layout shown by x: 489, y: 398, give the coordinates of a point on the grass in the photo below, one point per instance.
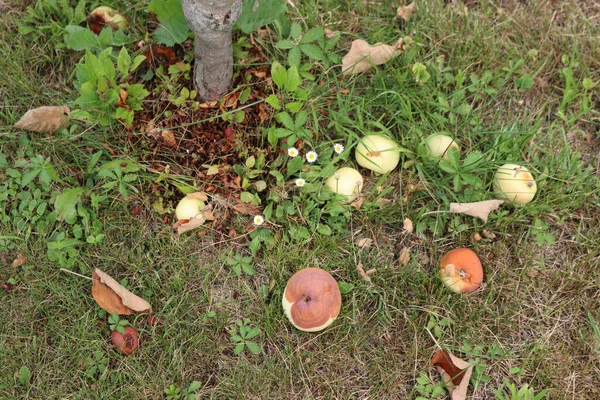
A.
x: 534, y: 321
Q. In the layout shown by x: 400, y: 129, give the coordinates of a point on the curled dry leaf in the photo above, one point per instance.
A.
x: 362, y: 273
x: 455, y: 372
x: 408, y: 225
x: 185, y: 225
x: 479, y: 209
x: 404, y: 256
x: 168, y: 138
x: 405, y: 12
x: 20, y: 260
x: 47, y: 119
x: 358, y: 203
x: 113, y: 297
x: 362, y: 56
x: 364, y: 243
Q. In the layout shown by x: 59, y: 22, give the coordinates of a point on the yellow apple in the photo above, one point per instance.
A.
x: 377, y: 153
x: 514, y: 183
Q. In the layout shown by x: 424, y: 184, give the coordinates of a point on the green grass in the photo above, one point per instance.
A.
x: 537, y: 310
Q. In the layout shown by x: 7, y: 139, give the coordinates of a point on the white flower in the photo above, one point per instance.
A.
x: 338, y: 147
x: 292, y: 152
x: 311, y: 156
x: 300, y: 182
x: 258, y: 220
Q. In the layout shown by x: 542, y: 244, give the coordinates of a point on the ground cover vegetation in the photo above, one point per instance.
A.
x: 511, y: 82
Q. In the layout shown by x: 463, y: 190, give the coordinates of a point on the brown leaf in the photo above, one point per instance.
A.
x: 185, y: 225
x: 362, y: 56
x: 408, y: 225
x: 122, y: 102
x: 113, y: 297
x: 47, y: 119
x: 455, y: 372
x: 20, y: 260
x: 404, y: 256
x: 362, y: 273
x: 168, y: 138
x: 245, y: 208
x: 364, y: 243
x: 358, y: 203
x: 7, y: 287
x: 488, y: 234
x: 405, y: 12
x: 479, y: 209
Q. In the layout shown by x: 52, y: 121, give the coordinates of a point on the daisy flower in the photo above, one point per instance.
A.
x: 300, y: 182
x: 311, y: 156
x: 292, y: 152
x: 259, y: 220
x: 338, y: 147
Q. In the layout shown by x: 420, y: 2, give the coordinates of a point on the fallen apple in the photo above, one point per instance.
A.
x: 438, y: 144
x: 312, y: 299
x: 126, y: 342
x: 103, y: 15
x: 461, y: 270
x: 514, y: 183
x: 377, y: 153
x: 189, y: 207
x: 346, y: 181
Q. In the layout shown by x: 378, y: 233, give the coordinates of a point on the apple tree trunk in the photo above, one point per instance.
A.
x: 212, y: 21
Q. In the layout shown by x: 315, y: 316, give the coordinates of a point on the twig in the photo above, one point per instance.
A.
x: 75, y: 273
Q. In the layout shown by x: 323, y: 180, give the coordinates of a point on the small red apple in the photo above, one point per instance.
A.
x: 126, y: 342
x: 461, y: 270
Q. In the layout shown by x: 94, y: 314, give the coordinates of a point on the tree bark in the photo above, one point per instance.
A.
x: 212, y: 21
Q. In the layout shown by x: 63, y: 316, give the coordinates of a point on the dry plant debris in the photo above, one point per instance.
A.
x: 362, y: 56
x: 111, y: 296
x: 479, y: 209
x: 455, y: 372
x: 47, y: 119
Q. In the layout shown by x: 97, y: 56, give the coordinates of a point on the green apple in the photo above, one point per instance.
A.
x: 514, y: 183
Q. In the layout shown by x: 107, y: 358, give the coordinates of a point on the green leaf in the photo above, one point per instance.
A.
x: 253, y: 347
x: 324, y: 230
x: 66, y: 203
x: 301, y: 119
x: 124, y: 62
x: 294, y: 56
x: 313, y: 52
x: 258, y: 13
x: 273, y: 101
x: 238, y: 348
x: 279, y: 74
x: 294, y: 165
x: 345, y: 287
x: 293, y: 79
x: 313, y: 34
x: 286, y: 120
x: 294, y: 106
x: 195, y: 385
x: 295, y: 31
x: 174, y: 28
x: 79, y: 38
x: 24, y: 375
x: 284, y: 44
x: 136, y: 62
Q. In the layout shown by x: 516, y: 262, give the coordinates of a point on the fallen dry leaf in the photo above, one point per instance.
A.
x: 20, y: 260
x: 362, y: 273
x: 168, y: 138
x: 358, y: 203
x: 455, y: 372
x: 479, y: 209
x: 362, y: 56
x: 123, y: 99
x: 113, y: 297
x: 185, y: 225
x: 408, y: 225
x: 405, y: 12
x: 476, y: 237
x: 404, y: 256
x: 247, y: 209
x: 364, y: 243
x: 47, y: 119
x: 488, y: 235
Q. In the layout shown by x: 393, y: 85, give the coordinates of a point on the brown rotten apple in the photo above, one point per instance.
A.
x: 312, y: 299
x: 126, y: 342
x: 461, y: 270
